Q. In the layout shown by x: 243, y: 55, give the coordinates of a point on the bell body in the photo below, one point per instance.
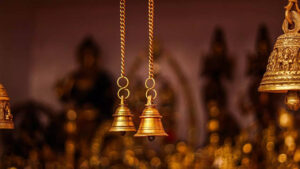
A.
x: 6, y: 118
x: 122, y: 119
x: 283, y: 69
x: 150, y: 124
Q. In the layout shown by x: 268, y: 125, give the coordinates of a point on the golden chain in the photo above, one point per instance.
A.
x: 122, y: 37
x: 151, y: 88
x: 151, y: 28
x: 289, y: 7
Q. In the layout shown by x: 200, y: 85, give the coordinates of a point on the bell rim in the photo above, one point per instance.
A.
x: 278, y: 88
x: 123, y: 115
x: 7, y: 125
x: 149, y: 135
x: 151, y: 116
x: 6, y: 98
x: 128, y: 129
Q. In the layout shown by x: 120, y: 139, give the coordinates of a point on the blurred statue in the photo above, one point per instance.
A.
x: 89, y: 87
x: 217, y: 68
x: 260, y: 135
x: 264, y: 104
x: 88, y: 96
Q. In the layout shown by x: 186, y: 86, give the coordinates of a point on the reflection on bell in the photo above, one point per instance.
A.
x: 283, y: 70
x: 122, y: 119
x: 6, y: 118
x: 150, y: 125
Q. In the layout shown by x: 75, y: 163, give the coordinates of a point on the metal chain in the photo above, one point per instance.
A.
x: 289, y: 7
x: 123, y: 88
x: 151, y: 88
x: 151, y: 28
x: 122, y: 35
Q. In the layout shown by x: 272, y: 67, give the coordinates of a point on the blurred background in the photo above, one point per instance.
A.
x: 59, y: 61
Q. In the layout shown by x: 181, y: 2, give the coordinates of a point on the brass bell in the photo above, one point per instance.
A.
x: 122, y: 119
x: 6, y: 118
x: 151, y: 125
x: 283, y: 69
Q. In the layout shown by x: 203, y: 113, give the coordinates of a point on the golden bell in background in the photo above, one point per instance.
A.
x: 122, y: 119
x: 150, y: 125
x: 6, y: 118
x: 283, y: 69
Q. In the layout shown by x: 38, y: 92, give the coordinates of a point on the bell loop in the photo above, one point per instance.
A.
x: 289, y: 8
x: 294, y: 20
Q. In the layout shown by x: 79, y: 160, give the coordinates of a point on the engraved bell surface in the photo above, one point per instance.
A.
x: 283, y: 69
x: 6, y: 118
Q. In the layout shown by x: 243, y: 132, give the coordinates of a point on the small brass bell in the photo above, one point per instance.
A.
x: 283, y: 69
x: 151, y: 125
x: 6, y: 118
x: 122, y: 119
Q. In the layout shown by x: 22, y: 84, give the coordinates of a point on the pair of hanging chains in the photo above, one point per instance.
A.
x: 150, y: 79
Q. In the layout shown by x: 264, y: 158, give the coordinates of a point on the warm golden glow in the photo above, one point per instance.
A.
x: 247, y: 148
x: 282, y: 158
x: 213, y: 125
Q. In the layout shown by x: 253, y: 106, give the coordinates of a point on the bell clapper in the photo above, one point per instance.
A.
x: 292, y: 100
x: 151, y: 138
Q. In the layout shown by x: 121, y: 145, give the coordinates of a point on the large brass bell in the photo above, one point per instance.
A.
x: 150, y: 125
x: 122, y: 119
x: 283, y: 69
x: 6, y: 118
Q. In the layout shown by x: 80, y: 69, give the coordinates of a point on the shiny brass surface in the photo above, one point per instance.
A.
x: 150, y: 124
x: 6, y: 118
x: 283, y: 69
x: 122, y: 119
x: 292, y: 100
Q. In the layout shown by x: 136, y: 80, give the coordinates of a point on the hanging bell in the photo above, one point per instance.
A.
x: 122, y: 119
x: 283, y: 69
x: 151, y: 125
x: 6, y: 118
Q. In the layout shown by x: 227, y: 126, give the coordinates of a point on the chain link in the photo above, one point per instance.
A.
x: 123, y: 88
x: 288, y: 9
x: 122, y: 34
x: 151, y: 88
x: 151, y: 32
